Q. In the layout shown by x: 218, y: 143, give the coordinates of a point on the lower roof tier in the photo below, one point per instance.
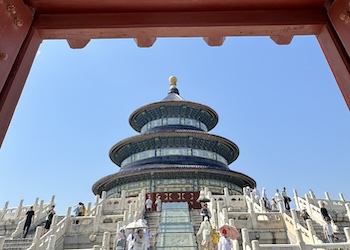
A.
x: 172, y: 178
x: 138, y: 147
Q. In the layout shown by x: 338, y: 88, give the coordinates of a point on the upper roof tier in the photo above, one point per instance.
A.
x: 173, y: 111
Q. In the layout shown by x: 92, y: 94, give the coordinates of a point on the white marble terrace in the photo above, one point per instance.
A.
x: 105, y: 216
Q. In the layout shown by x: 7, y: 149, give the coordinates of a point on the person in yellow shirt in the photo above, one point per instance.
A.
x: 214, y: 238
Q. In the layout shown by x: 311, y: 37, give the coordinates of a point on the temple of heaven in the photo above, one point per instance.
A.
x: 174, y: 155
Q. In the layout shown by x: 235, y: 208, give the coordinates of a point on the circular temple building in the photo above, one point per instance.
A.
x: 174, y: 155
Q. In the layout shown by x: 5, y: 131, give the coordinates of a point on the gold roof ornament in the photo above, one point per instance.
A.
x: 172, y: 81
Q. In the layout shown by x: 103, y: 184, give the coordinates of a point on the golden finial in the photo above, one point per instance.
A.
x: 172, y: 81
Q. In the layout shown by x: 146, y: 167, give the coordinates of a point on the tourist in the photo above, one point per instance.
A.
x: 224, y: 241
x: 49, y: 218
x: 29, y: 220
x: 77, y: 211
x: 148, y: 235
x: 256, y: 195
x: 265, y: 200
x: 120, y: 240
x: 273, y: 204
x: 324, y: 212
x: 304, y: 214
x: 83, y: 209
x: 205, y: 230
x: 328, y: 231
x: 158, y: 203
x: 214, y: 238
x: 278, y: 196
x: 139, y: 241
x: 286, y: 199
x: 130, y: 239
x: 205, y: 211
x: 149, y: 203
x: 142, y: 219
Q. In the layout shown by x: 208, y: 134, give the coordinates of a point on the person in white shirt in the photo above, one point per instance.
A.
x: 224, y: 243
x: 139, y: 241
x: 328, y: 231
x: 149, y: 203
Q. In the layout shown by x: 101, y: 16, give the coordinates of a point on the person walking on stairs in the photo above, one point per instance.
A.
x: 29, y: 220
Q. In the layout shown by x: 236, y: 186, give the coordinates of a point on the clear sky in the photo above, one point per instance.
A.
x: 279, y: 104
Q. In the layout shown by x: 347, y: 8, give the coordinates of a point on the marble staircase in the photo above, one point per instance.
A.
x: 153, y: 219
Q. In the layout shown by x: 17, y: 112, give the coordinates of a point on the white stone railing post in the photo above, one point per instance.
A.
x: 52, y: 200
x: 2, y: 241
x: 88, y: 209
x: 18, y: 210
x: 300, y: 241
x: 245, y: 238
x: 97, y: 218
x: 226, y: 196
x: 330, y: 203
x: 4, y: 210
x: 347, y: 234
x: 295, y: 218
x: 252, y: 214
x: 308, y: 203
x: 51, y: 243
x: 255, y: 245
x: 105, y: 240
x: 341, y: 197
x: 296, y: 199
x: 40, y: 211
x: 67, y: 222
x: 36, y: 239
x: 347, y: 206
x: 235, y: 245
x: 280, y: 206
x: 36, y: 204
x: 122, y: 200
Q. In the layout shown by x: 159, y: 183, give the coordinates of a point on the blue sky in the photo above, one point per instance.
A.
x: 279, y: 104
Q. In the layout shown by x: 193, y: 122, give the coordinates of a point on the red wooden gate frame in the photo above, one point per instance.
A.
x: 23, y: 26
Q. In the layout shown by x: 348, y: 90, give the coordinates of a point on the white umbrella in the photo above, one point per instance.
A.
x: 136, y: 224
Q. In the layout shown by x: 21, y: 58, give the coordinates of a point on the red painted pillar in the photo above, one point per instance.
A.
x: 18, y: 46
x: 335, y: 43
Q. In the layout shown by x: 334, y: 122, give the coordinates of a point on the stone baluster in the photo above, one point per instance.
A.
x: 280, y: 206
x: 330, y: 203
x: 261, y: 203
x: 227, y: 199
x: 36, y: 204
x: 300, y: 241
x: 19, y: 210
x: 97, y: 201
x: 255, y: 245
x: 235, y: 245
x: 296, y: 199
x: 2, y: 241
x: 88, y: 209
x: 97, y: 218
x: 225, y: 215
x: 52, y: 242
x: 67, y: 221
x: 52, y: 200
x: 125, y: 216
x: 308, y: 201
x: 341, y: 197
x: 295, y: 218
x: 347, y: 206
x: 4, y: 210
x: 214, y: 218
x: 122, y: 200
x: 245, y: 238
x: 312, y: 195
x: 40, y: 211
x: 119, y: 225
x: 54, y: 224
x: 36, y: 239
x: 252, y: 214
x: 105, y: 240
x: 347, y: 234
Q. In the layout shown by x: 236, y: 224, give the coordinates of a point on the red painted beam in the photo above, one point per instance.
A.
x: 15, y: 21
x: 181, y: 24
x: 12, y: 89
x: 338, y: 59
x: 339, y: 15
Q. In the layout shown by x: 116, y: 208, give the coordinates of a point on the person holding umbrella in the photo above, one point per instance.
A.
x: 228, y: 233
